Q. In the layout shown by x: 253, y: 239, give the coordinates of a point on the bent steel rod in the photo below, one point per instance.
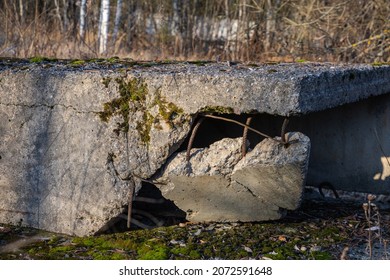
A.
x: 244, y: 137
x: 244, y: 125
x: 191, y: 141
x: 283, y: 131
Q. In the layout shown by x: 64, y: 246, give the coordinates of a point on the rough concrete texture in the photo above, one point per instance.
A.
x: 75, y: 139
x: 217, y: 184
x: 278, y: 89
x: 61, y: 165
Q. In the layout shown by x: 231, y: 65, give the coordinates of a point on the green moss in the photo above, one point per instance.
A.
x: 300, y: 60
x: 132, y: 98
x: 378, y: 64
x: 262, y: 238
x: 145, y: 126
x: 113, y: 59
x: 217, y: 109
x: 77, y: 62
x: 40, y: 59
x: 153, y: 250
x: 106, y: 81
x: 61, y: 249
x: 321, y: 255
x: 187, y: 252
x: 132, y: 93
x: 168, y: 111
x: 135, y: 89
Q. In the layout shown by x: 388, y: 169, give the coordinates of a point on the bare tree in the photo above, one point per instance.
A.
x: 228, y: 32
x: 21, y: 11
x: 83, y: 13
x: 270, y: 23
x: 58, y: 14
x: 103, y: 26
x: 118, y: 15
x: 176, y: 27
x: 65, y: 14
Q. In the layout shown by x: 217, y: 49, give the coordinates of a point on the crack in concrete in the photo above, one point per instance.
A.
x: 245, y: 187
x: 50, y: 107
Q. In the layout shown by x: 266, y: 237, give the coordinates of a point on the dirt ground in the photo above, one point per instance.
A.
x: 322, y: 228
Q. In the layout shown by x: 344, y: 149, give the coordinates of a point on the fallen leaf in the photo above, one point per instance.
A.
x: 282, y: 238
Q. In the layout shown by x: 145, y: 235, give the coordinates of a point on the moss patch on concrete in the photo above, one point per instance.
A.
x: 132, y: 98
x: 168, y: 111
x: 41, y: 59
x: 132, y: 93
x: 217, y: 110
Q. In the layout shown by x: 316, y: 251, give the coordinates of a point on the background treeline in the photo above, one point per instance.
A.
x: 246, y: 30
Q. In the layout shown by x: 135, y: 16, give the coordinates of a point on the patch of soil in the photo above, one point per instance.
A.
x: 322, y: 228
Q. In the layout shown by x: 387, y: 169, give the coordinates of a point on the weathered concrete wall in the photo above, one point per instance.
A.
x: 74, y: 142
x: 350, y: 145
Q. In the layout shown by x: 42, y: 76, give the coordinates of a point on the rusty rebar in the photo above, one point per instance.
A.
x: 283, y: 131
x: 192, y: 138
x: 244, y: 125
x: 244, y: 137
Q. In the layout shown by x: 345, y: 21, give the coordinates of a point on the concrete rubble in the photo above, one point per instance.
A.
x: 76, y: 141
x: 217, y: 184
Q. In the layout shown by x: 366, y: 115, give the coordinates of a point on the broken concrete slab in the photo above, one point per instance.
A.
x: 283, y: 89
x: 217, y: 184
x: 64, y: 168
x: 75, y: 139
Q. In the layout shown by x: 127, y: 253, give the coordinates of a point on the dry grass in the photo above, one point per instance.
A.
x: 374, y: 228
x: 290, y: 30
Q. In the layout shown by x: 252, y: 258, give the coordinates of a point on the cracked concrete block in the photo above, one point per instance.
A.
x: 64, y: 169
x: 218, y: 185
x: 75, y: 140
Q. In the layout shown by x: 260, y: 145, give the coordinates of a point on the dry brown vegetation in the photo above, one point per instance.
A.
x: 246, y: 30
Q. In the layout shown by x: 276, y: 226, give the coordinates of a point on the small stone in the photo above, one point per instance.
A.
x: 247, y: 249
x: 315, y: 248
x: 198, y: 232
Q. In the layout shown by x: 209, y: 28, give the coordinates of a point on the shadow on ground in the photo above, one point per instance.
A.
x: 323, y: 228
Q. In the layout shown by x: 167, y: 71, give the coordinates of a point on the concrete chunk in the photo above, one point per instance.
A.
x: 75, y: 140
x: 217, y: 185
x: 63, y: 168
x: 283, y: 89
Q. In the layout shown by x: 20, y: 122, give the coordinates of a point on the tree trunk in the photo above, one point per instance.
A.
x: 105, y: 17
x: 83, y: 13
x: 58, y: 14
x: 65, y: 17
x: 270, y: 24
x: 21, y: 12
x: 118, y: 15
x: 228, y: 27
x: 176, y: 28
